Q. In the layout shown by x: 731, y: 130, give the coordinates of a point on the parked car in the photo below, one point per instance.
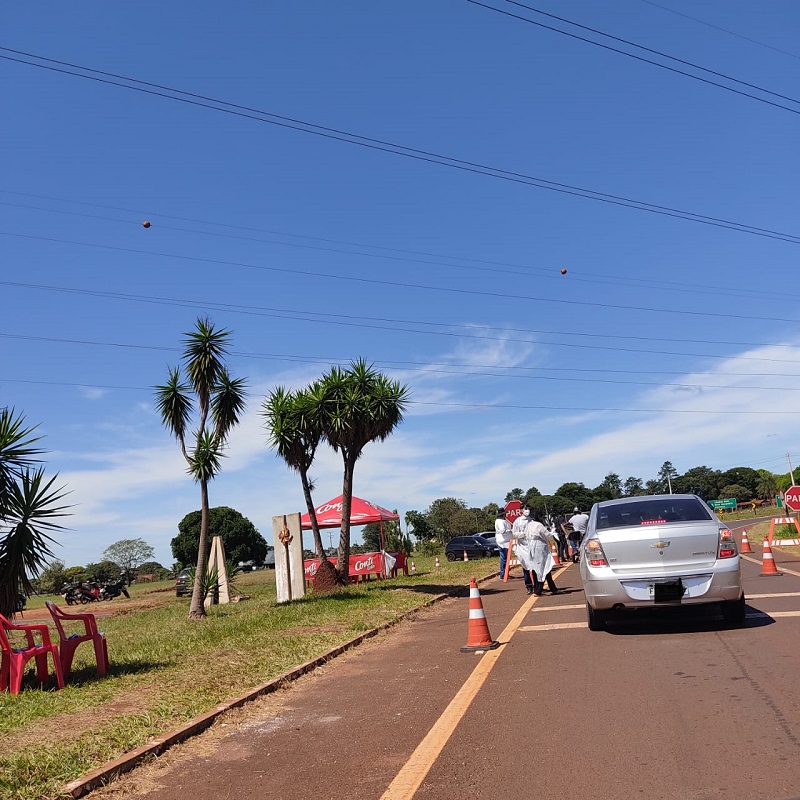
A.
x: 660, y: 550
x: 182, y: 584
x: 477, y: 546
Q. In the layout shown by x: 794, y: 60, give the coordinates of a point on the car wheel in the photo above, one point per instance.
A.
x: 451, y: 556
x: 596, y: 619
x: 733, y: 611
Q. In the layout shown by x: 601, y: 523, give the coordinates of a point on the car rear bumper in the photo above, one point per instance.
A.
x: 604, y: 590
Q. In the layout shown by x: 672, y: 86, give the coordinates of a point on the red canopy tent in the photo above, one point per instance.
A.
x: 329, y: 515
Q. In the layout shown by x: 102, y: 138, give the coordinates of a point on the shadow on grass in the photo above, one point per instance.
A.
x: 88, y: 674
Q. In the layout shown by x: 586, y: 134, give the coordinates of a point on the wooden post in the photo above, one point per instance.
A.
x: 289, y: 575
x: 216, y: 561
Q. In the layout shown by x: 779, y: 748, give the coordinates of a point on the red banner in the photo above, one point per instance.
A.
x: 361, y: 565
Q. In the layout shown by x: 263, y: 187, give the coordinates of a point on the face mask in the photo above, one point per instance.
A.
x: 526, y: 513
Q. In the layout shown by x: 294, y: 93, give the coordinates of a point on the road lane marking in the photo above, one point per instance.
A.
x: 414, y: 771
x: 555, y: 626
x: 773, y: 614
x: 772, y: 594
x: 558, y: 608
x: 780, y: 568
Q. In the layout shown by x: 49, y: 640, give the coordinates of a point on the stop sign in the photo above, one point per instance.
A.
x: 792, y: 498
x: 513, y: 510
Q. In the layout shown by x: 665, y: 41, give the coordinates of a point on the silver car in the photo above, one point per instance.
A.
x: 659, y: 550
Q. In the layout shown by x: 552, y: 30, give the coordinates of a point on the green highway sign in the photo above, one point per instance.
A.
x: 718, y: 505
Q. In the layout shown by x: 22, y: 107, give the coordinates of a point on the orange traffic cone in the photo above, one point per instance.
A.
x: 466, y: 557
x: 478, y: 636
x: 554, y: 551
x: 745, y: 548
x: 413, y: 567
x: 768, y: 563
x: 438, y: 565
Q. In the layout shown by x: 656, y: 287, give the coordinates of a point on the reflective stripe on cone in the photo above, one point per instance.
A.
x: 768, y: 561
x: 478, y: 636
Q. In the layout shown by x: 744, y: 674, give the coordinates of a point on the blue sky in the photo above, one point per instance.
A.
x: 667, y: 339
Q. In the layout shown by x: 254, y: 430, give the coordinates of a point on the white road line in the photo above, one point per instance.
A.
x: 557, y: 608
x: 774, y: 594
x: 766, y: 614
x: 553, y: 627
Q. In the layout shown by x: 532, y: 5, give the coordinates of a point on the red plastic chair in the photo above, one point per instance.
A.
x: 14, y: 659
x: 70, y: 642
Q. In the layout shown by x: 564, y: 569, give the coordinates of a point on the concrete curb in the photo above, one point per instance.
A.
x: 155, y: 747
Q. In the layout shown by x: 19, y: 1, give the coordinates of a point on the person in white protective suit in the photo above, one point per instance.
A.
x: 517, y: 531
x: 533, y: 551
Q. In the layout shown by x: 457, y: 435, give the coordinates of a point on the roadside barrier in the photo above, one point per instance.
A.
x: 511, y: 560
x: 783, y: 521
x: 478, y: 636
x: 745, y: 548
x: 554, y: 552
x: 768, y: 562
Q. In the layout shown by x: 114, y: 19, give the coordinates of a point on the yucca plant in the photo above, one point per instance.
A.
x: 29, y: 504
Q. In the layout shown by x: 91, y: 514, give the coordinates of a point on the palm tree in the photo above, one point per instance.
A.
x: 220, y: 403
x: 28, y: 505
x: 293, y: 430
x: 357, y: 406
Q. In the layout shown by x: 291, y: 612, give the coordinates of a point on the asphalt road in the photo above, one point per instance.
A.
x: 669, y: 705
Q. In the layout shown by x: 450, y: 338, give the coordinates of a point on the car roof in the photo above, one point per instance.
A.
x: 621, y: 501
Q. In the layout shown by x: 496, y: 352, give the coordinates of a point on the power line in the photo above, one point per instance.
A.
x: 400, y: 284
x: 718, y: 28
x: 427, y: 367
x: 234, y: 109
x: 640, y: 58
x: 522, y: 269
x: 498, y: 406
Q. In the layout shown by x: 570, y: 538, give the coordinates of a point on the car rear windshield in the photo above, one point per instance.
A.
x: 652, y: 512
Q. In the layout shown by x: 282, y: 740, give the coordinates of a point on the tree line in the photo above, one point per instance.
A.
x: 447, y: 517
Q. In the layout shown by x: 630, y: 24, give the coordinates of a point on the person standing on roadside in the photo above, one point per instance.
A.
x: 561, y: 537
x: 517, y: 530
x: 578, y: 521
x: 502, y: 535
x: 535, y: 556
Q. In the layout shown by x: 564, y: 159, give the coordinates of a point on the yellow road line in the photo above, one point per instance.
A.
x: 558, y: 608
x: 773, y: 594
x: 414, y: 771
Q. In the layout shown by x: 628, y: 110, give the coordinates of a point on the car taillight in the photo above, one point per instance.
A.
x: 594, y: 554
x: 727, y: 544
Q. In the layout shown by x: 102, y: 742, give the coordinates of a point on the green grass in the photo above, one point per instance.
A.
x: 166, y: 669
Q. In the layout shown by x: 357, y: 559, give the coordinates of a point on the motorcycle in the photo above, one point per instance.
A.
x: 112, y: 589
x: 78, y: 593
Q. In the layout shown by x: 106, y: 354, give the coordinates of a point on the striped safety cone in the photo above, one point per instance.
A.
x: 478, y: 636
x: 466, y: 557
x: 554, y: 552
x: 745, y: 548
x: 768, y: 562
x: 413, y: 567
x: 438, y: 565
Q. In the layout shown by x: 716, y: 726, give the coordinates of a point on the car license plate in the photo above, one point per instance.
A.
x: 667, y: 591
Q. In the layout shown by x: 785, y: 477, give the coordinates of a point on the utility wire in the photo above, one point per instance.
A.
x: 400, y: 284
x: 477, y: 265
x: 718, y: 28
x: 487, y: 406
x: 270, y: 118
x: 640, y: 58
